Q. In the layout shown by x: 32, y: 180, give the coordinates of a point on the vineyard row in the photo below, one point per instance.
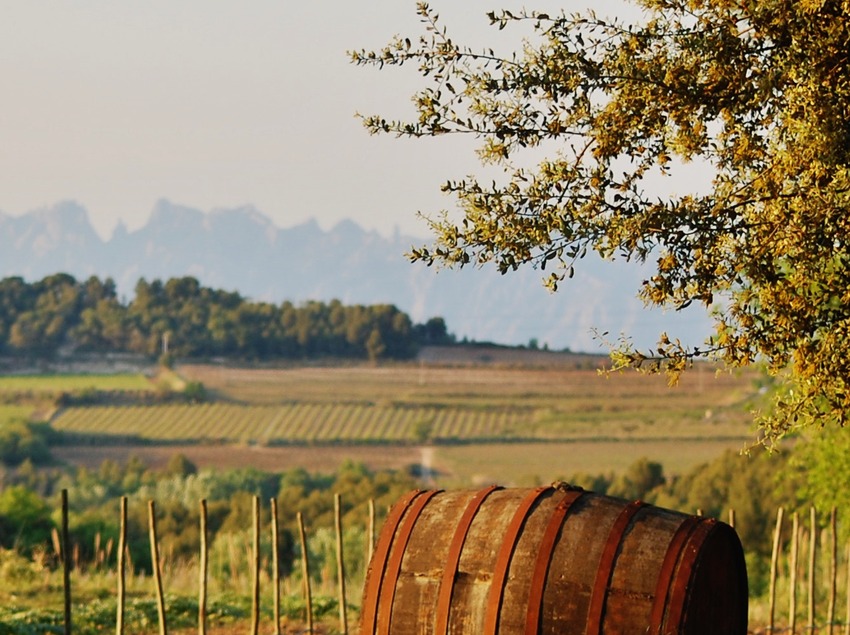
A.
x: 299, y: 422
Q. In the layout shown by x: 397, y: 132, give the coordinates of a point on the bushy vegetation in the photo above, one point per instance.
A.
x: 22, y: 440
x: 29, y: 505
x: 753, y: 486
x: 37, y: 319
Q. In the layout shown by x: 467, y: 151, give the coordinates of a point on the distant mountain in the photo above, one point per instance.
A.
x: 242, y: 250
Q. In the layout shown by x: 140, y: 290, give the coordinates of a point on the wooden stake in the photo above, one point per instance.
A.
x: 813, y: 538
x: 833, y: 571
x: 847, y: 613
x: 66, y: 562
x: 370, y: 536
x: 157, y: 577
x: 792, y: 592
x: 255, y: 601
x: 305, y: 574
x: 732, y: 518
x: 276, y: 565
x: 122, y: 567
x: 203, y: 574
x: 97, y: 552
x: 340, y: 566
x: 774, y: 560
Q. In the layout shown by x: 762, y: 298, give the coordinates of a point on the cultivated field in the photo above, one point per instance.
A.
x: 57, y: 383
x: 463, y: 424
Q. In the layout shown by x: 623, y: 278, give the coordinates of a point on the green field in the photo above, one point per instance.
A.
x: 58, y: 383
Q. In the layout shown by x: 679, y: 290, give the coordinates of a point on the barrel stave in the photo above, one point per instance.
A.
x: 575, y: 560
x: 631, y: 593
x: 512, y: 617
x: 415, y: 599
x: 478, y: 560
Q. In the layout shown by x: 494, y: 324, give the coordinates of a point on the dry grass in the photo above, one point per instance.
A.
x: 531, y: 464
x: 470, y: 385
x: 279, y: 459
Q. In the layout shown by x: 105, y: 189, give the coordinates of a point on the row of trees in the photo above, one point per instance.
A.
x: 37, y: 319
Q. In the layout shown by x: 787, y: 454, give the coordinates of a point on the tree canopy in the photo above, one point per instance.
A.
x: 41, y: 318
x: 756, y: 91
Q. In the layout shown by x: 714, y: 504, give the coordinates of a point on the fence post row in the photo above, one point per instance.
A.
x: 831, y: 568
x: 64, y: 551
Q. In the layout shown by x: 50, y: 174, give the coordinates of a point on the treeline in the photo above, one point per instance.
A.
x: 41, y: 318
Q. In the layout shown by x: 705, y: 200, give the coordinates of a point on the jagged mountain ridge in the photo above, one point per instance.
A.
x: 243, y: 250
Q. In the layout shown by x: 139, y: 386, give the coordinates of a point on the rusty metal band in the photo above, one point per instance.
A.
x: 503, y: 559
x: 606, y: 567
x: 682, y: 582
x: 379, y: 562
x: 444, y: 596
x: 393, y: 568
x: 544, y: 560
x: 665, y: 575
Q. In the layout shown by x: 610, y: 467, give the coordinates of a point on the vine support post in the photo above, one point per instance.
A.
x: 813, y: 545
x: 203, y: 573
x: 340, y: 565
x: 774, y: 560
x: 66, y: 563
x: 305, y: 574
x: 792, y: 584
x: 122, y: 567
x: 370, y: 534
x: 275, y: 530
x: 255, y: 596
x: 157, y: 575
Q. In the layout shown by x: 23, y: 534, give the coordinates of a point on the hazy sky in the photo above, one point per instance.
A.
x: 216, y: 103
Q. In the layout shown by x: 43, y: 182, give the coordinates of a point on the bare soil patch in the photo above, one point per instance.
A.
x: 225, y: 457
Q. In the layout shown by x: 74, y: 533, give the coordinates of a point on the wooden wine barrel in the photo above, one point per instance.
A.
x: 551, y: 560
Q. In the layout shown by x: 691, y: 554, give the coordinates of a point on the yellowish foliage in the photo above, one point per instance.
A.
x: 759, y: 92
